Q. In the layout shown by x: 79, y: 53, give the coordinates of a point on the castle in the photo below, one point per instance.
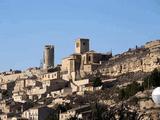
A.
x: 85, y: 61
x: 82, y: 62
x: 75, y: 67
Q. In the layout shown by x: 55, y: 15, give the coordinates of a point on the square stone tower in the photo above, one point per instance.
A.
x: 82, y: 45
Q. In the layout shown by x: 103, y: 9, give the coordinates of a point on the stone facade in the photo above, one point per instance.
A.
x: 78, y: 112
x: 76, y: 66
x: 5, y: 78
x: 82, y: 45
x: 92, y: 60
x: 70, y: 66
x: 37, y: 113
x: 51, y: 76
x: 21, y: 84
x: 48, y: 56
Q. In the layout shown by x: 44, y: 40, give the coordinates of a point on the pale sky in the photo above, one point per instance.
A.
x: 27, y: 25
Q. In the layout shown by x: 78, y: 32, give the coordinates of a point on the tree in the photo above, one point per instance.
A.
x: 130, y: 90
x: 63, y: 108
x: 153, y: 80
x: 97, y: 82
x: 100, y: 112
x: 122, y: 94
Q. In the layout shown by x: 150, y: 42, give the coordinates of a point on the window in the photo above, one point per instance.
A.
x: 77, y: 45
x: 84, y: 43
x: 89, y: 58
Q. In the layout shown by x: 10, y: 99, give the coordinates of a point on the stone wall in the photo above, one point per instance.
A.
x: 139, y: 59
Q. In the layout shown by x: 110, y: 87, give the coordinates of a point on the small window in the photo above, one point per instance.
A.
x: 89, y: 58
x: 84, y: 43
x: 77, y: 45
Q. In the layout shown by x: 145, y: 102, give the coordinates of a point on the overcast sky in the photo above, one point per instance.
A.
x: 27, y: 25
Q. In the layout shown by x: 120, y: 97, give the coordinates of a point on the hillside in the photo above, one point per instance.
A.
x: 145, y: 58
x: 135, y: 74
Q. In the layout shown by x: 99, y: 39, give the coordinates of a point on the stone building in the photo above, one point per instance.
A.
x: 9, y: 116
x: 82, y: 112
x: 51, y: 76
x: 21, y: 84
x: 91, y: 60
x: 71, y: 66
x: 82, y: 45
x: 37, y: 113
x: 77, y: 66
x: 10, y: 106
x: 5, y: 78
x: 83, y: 62
x: 52, y: 85
x: 48, y: 57
x: 20, y: 97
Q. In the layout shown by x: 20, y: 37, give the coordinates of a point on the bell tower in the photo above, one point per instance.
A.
x: 82, y: 45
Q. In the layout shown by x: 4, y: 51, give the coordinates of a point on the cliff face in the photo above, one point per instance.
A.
x: 143, y: 59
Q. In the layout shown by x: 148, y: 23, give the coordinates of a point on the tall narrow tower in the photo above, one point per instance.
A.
x: 82, y: 45
x: 48, y: 56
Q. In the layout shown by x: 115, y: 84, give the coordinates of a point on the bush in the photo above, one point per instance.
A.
x: 130, y: 90
x: 97, y: 82
x: 153, y: 80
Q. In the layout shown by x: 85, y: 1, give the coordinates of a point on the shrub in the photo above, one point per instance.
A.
x: 130, y: 90
x: 97, y: 82
x: 153, y: 80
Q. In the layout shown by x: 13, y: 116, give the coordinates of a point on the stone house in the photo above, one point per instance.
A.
x: 82, y: 112
x: 37, y: 113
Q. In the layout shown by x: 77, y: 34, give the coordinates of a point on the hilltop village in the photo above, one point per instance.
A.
x: 81, y: 79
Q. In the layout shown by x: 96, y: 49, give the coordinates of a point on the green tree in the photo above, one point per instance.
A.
x: 53, y: 116
x: 122, y: 94
x: 130, y: 90
x: 152, y: 80
x: 97, y: 82
x: 155, y: 78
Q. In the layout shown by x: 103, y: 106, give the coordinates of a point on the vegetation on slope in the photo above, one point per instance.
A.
x: 151, y: 81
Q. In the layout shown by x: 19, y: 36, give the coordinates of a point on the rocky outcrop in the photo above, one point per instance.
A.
x: 143, y: 59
